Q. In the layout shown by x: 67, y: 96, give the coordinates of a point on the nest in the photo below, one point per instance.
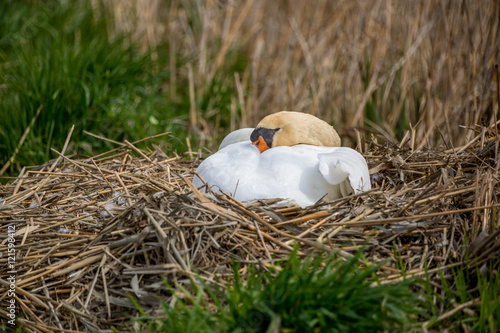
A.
x: 91, y: 232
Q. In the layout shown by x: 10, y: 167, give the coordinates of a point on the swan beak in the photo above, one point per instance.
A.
x: 261, y: 144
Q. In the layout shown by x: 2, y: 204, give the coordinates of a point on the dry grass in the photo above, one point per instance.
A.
x: 382, y: 64
x: 91, y: 231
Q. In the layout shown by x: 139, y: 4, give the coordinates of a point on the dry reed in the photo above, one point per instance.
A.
x: 89, y: 232
x: 382, y: 64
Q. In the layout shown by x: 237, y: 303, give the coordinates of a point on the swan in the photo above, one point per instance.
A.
x: 289, y: 155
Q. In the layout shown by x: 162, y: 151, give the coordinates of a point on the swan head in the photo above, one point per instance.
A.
x: 288, y: 128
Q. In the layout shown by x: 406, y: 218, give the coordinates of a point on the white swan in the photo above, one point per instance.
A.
x: 293, y: 156
x: 240, y: 135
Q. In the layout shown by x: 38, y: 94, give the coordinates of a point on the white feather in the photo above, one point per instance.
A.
x: 240, y: 135
x: 301, y: 173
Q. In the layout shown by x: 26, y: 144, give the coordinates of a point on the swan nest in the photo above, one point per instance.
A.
x: 91, y: 231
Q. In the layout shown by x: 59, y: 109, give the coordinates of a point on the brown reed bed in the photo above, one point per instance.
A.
x: 92, y: 231
x: 391, y: 63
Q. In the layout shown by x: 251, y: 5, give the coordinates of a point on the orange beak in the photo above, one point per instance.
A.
x: 261, y: 144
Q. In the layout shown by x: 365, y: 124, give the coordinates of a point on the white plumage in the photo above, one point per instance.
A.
x: 301, y: 173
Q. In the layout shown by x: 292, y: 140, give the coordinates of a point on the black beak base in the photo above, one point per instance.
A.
x: 266, y: 133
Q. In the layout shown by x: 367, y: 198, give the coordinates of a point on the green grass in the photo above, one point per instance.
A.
x: 327, y: 294
x: 315, y: 294
x: 480, y: 289
x: 64, y: 60
x: 62, y: 57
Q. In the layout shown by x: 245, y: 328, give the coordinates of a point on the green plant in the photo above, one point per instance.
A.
x: 63, y: 60
x: 466, y: 297
x: 305, y: 295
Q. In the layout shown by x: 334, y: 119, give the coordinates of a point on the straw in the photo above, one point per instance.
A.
x: 91, y: 232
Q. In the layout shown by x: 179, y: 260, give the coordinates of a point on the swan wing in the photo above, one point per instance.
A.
x: 233, y: 170
x: 345, y: 167
x: 300, y: 173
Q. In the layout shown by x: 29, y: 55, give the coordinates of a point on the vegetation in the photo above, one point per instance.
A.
x: 302, y: 295
x: 64, y: 63
x: 141, y: 68
x: 401, y: 75
x: 469, y: 299
x: 112, y: 228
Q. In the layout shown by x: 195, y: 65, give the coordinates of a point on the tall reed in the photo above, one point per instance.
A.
x: 390, y: 66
